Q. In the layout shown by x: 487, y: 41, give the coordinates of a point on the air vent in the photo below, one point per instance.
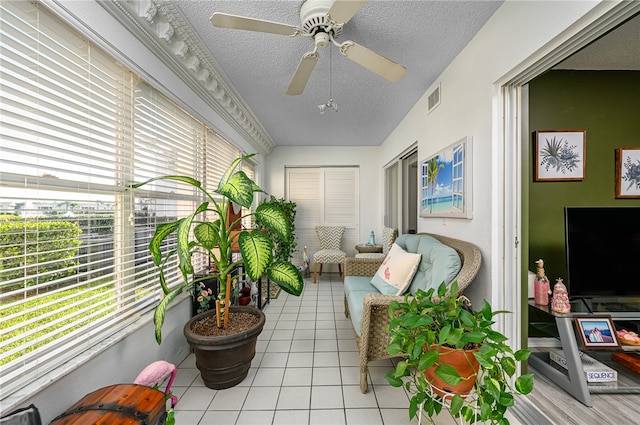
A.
x: 433, y: 100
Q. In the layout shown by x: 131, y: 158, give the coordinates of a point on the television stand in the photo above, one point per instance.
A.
x: 574, y: 381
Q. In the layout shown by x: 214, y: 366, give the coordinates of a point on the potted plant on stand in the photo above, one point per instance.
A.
x: 223, y: 339
x: 435, y: 326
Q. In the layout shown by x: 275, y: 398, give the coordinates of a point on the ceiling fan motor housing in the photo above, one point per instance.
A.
x: 313, y: 15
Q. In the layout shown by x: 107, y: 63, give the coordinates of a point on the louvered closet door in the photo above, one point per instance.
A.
x: 326, y: 196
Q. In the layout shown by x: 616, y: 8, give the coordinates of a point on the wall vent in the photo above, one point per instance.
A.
x: 433, y: 100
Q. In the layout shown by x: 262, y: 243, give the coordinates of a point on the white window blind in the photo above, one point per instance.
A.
x: 324, y: 196
x: 76, y: 129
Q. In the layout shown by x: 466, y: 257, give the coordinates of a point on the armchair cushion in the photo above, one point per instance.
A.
x: 396, y: 271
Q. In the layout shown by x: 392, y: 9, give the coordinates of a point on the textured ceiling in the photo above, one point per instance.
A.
x: 424, y: 36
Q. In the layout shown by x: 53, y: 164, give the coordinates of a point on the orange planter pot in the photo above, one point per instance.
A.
x: 464, y: 362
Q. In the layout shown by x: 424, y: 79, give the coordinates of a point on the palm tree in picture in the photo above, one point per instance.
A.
x: 433, y: 167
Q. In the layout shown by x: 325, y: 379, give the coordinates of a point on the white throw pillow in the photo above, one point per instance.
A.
x: 396, y: 271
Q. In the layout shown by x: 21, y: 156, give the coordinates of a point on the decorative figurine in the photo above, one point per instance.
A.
x: 541, y: 285
x: 372, y: 238
x: 560, y: 301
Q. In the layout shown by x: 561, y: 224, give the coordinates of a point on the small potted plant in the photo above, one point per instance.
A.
x: 224, y: 349
x: 428, y: 329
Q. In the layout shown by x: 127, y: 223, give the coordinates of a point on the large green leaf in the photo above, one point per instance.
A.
x: 257, y: 252
x: 287, y: 276
x: 448, y: 374
x: 207, y: 234
x: 184, y: 179
x: 524, y: 383
x: 155, y: 245
x: 183, y: 246
x: 158, y: 316
x: 238, y: 188
x: 274, y: 219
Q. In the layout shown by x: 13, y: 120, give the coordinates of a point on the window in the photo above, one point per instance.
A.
x: 327, y: 196
x: 76, y: 129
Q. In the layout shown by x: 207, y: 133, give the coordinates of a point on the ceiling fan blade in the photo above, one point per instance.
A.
x: 303, y: 72
x: 225, y: 20
x: 342, y: 11
x: 373, y: 61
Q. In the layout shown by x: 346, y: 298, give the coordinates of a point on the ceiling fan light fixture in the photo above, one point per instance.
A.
x: 329, y: 105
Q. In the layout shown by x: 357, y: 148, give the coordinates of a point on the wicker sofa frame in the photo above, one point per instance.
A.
x: 374, y: 339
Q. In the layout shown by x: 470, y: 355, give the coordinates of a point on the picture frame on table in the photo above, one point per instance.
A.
x: 627, y: 173
x: 559, y: 155
x: 445, y: 182
x: 597, y: 332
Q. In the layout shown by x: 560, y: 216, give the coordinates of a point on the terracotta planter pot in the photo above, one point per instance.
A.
x: 224, y: 361
x: 464, y: 362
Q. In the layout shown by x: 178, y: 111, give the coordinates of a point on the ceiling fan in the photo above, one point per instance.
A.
x: 323, y: 21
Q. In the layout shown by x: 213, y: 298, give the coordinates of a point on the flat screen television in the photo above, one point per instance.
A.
x: 603, y: 251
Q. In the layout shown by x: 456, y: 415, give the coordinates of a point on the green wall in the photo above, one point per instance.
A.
x: 607, y: 105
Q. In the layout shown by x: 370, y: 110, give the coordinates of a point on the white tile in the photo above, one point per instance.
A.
x: 326, y: 376
x: 346, y: 333
x: 288, y: 317
x: 349, y: 358
x: 229, y: 399
x: 353, y: 398
x: 326, y: 324
x: 189, y: 362
x: 297, y: 376
x: 326, y: 345
x: 398, y: 417
x: 214, y: 418
x: 347, y: 344
x: 310, y: 317
x: 265, y: 335
x: 196, y: 398
x: 302, y: 345
x: 350, y: 375
x: 190, y: 416
x: 294, y: 398
x: 254, y: 418
x: 390, y: 397
x: 291, y: 417
x: 326, y: 334
x: 378, y: 373
x: 274, y: 360
x: 304, y: 334
x: 268, y: 377
x: 282, y: 346
x: 185, y: 377
x: 323, y: 359
x: 282, y: 334
x: 261, y: 398
x: 363, y: 417
x: 325, y: 316
x: 327, y: 397
x: 288, y: 324
x: 305, y: 324
x: 327, y: 417
x: 300, y: 360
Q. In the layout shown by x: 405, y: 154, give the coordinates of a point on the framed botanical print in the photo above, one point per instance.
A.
x: 628, y: 173
x: 560, y: 155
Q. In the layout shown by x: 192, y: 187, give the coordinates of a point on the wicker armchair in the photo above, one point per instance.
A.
x: 374, y: 339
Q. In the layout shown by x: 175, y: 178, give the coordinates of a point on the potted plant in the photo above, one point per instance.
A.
x: 432, y: 326
x: 223, y: 339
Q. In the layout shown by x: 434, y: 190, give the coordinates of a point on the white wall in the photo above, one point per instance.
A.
x: 366, y: 158
x: 468, y: 94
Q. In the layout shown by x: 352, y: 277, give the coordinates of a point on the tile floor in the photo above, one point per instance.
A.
x: 305, y: 372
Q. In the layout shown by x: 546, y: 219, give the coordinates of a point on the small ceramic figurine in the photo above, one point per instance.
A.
x: 560, y: 301
x: 541, y: 285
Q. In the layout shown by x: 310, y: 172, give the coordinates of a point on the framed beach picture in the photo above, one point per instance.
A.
x: 445, y: 182
x: 597, y: 332
x: 560, y: 155
x: 628, y: 173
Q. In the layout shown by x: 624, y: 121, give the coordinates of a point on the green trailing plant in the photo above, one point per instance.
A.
x: 429, y: 319
x: 206, y: 232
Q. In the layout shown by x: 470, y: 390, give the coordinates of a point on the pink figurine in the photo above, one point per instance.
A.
x: 560, y: 300
x: 153, y: 374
